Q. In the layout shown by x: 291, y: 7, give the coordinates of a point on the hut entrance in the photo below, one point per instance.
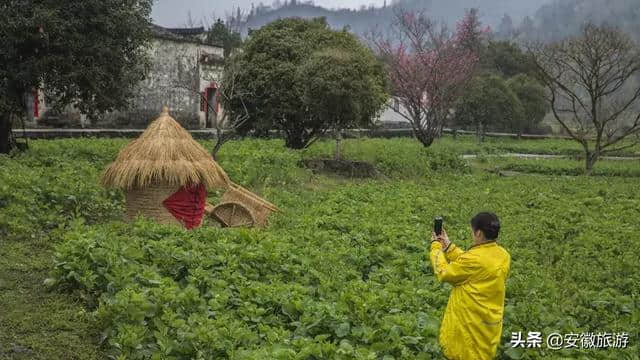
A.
x: 187, y: 205
x: 211, y: 93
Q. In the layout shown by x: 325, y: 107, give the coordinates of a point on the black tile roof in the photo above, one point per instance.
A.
x: 187, y: 31
x: 179, y: 34
x: 190, y: 35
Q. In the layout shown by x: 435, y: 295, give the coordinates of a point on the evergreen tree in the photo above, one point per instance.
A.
x: 89, y: 53
x: 221, y: 34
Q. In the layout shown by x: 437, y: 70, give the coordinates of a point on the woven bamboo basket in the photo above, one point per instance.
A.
x: 237, y: 198
x: 148, y: 202
x: 233, y: 214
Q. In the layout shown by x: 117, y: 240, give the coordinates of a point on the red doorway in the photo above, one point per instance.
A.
x: 36, y: 103
x: 212, y: 103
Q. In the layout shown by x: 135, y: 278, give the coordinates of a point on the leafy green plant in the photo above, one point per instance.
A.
x: 38, y: 195
x: 330, y: 279
x: 341, y: 272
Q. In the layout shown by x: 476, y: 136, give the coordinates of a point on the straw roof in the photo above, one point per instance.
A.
x: 165, y: 153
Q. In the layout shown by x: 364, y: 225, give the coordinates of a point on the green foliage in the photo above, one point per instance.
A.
x: 506, y: 58
x: 340, y: 273
x: 344, y: 89
x: 531, y: 95
x: 221, y: 34
x: 401, y: 159
x: 87, y: 53
x: 249, y: 295
x: 260, y: 162
x: 41, y: 192
x: 329, y: 279
x: 279, y: 71
x: 489, y: 104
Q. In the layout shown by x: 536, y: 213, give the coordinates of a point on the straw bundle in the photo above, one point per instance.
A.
x: 165, y: 154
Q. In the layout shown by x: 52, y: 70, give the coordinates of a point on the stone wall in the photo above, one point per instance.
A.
x: 172, y: 80
x: 175, y: 79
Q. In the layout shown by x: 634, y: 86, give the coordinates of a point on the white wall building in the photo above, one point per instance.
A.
x: 185, y: 73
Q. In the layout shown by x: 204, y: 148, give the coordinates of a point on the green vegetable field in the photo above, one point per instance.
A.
x: 340, y: 273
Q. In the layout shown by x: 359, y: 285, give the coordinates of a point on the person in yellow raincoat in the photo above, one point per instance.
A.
x: 472, y: 323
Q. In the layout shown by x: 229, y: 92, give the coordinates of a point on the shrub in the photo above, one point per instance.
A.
x: 38, y: 195
x: 396, y: 158
x: 445, y: 160
x: 254, y: 162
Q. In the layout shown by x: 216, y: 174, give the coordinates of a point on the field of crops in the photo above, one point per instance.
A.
x: 341, y: 273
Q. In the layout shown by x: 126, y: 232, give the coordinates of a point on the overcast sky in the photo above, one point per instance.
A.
x: 173, y: 13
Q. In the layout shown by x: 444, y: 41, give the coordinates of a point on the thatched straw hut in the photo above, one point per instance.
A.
x: 165, y: 174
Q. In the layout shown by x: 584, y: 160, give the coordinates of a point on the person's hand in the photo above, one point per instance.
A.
x: 443, y: 238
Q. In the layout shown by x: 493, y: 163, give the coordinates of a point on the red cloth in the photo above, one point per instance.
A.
x: 187, y: 205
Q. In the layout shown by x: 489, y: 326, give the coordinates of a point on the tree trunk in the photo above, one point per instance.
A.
x: 480, y: 130
x: 426, y: 140
x: 216, y: 148
x: 590, y: 161
x: 337, y: 155
x: 423, y: 137
x: 6, y: 143
x: 261, y: 133
x: 295, y: 141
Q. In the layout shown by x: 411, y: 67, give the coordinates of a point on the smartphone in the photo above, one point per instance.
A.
x: 437, y: 225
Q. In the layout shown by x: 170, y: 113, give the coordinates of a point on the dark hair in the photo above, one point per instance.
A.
x: 488, y: 223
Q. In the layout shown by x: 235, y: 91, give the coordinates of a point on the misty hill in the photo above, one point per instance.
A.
x: 561, y: 18
x: 546, y: 20
x: 362, y: 20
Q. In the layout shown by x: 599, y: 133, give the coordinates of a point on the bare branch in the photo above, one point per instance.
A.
x: 587, y: 78
x: 428, y: 68
x: 227, y: 122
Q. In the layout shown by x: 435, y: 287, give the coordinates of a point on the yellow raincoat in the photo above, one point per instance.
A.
x: 472, y: 323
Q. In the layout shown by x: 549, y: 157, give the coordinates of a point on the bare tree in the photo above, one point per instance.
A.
x: 208, y: 21
x: 191, y: 22
x: 235, y: 20
x: 226, y: 122
x: 593, y: 88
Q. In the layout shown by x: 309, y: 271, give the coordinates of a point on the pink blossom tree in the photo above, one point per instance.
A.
x: 428, y: 67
